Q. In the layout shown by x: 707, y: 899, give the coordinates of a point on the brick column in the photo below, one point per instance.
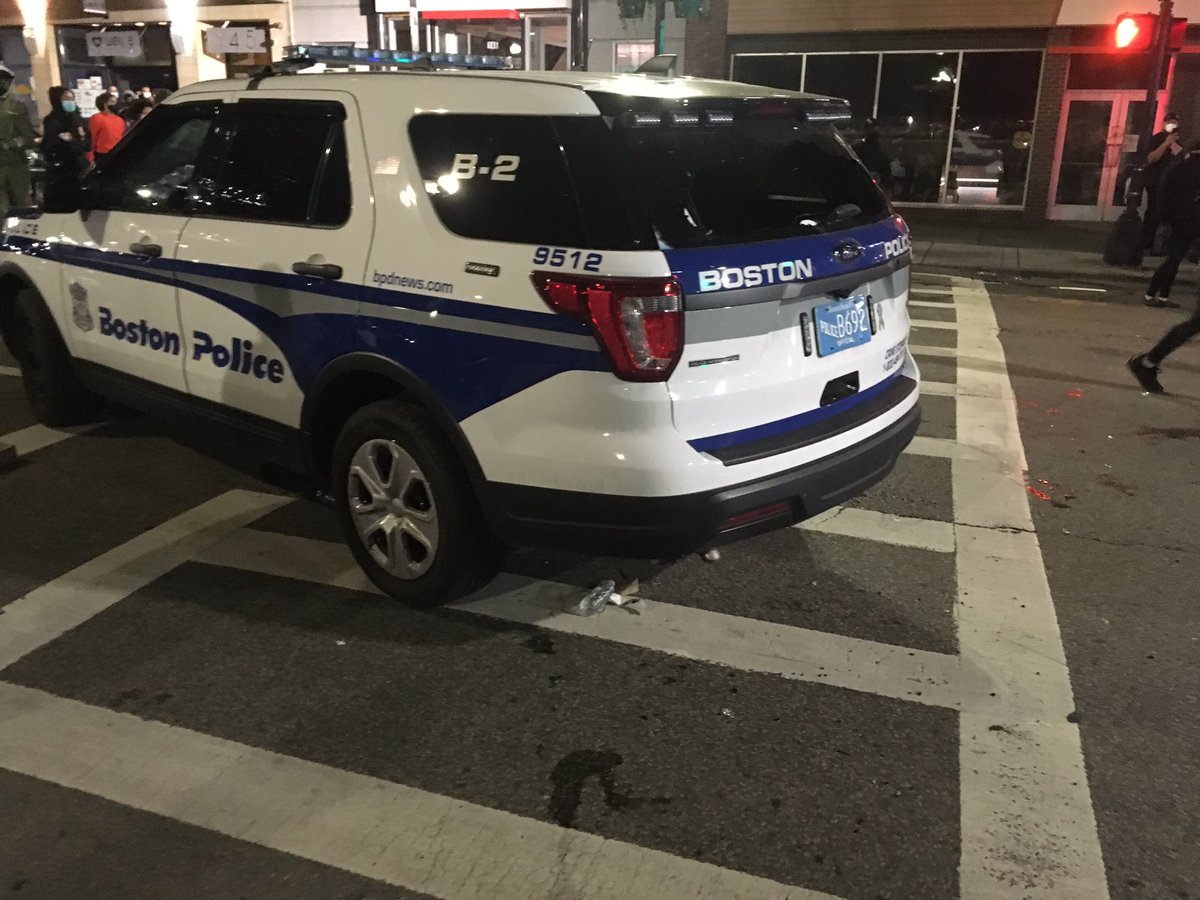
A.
x: 1045, y: 134
x: 704, y: 53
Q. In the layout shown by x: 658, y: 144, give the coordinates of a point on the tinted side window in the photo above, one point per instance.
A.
x: 500, y: 178
x: 286, y: 163
x: 151, y: 170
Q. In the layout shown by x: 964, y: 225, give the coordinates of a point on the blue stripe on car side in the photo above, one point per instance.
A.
x: 89, y: 257
x: 469, y: 371
x: 791, y: 423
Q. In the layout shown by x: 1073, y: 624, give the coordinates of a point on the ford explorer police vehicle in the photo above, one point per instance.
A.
x: 627, y: 314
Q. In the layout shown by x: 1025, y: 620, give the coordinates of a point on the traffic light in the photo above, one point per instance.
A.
x: 1135, y: 32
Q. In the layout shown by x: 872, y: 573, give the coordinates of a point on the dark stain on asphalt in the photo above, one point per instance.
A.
x: 999, y: 728
x: 1122, y: 487
x: 539, y: 643
x: 572, y: 774
x: 1073, y: 717
x: 1175, y: 434
x: 126, y: 697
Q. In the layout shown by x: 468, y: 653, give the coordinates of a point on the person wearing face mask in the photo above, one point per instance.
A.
x: 1164, y: 149
x: 64, y: 140
x: 16, y: 136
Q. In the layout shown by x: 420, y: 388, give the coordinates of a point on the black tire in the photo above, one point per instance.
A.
x: 54, y: 392
x: 467, y: 553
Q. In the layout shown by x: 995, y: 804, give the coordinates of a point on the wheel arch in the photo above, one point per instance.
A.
x: 363, y: 378
x: 13, y: 280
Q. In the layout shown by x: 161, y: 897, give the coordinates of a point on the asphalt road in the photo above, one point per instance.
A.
x: 199, y: 697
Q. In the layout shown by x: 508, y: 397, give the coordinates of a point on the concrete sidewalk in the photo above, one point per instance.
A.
x: 1067, y: 252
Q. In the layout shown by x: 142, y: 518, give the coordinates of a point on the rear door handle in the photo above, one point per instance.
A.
x: 327, y: 271
x: 141, y: 248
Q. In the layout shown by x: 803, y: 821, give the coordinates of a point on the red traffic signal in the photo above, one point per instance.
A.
x: 1135, y: 32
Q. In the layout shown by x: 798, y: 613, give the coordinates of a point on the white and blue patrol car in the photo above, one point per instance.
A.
x: 627, y: 314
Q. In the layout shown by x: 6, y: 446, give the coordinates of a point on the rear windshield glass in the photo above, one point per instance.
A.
x: 735, y: 173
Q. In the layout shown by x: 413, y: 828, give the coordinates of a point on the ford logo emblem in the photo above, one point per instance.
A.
x: 847, y: 251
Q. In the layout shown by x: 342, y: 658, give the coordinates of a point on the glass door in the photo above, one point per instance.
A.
x: 1097, y: 152
x: 547, y: 43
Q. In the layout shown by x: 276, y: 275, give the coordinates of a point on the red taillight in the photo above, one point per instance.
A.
x: 638, y: 321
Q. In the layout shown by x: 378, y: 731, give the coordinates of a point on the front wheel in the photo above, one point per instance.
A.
x: 406, y: 507
x: 54, y: 393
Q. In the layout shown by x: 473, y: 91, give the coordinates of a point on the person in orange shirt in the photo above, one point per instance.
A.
x: 107, y: 129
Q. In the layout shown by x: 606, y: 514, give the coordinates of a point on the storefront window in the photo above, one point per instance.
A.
x: 152, y: 66
x: 993, y: 133
x: 916, y: 94
x: 912, y: 95
x: 851, y: 76
x: 629, y: 55
x: 775, y: 70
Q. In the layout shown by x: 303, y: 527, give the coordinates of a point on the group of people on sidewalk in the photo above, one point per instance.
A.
x: 1172, y: 179
x: 69, y: 144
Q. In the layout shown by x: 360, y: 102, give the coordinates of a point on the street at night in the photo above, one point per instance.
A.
x: 978, y: 679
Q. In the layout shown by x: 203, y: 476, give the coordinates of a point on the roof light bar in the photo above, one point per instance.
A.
x: 345, y: 57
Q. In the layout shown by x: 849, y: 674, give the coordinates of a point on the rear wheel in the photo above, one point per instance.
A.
x: 56, y: 396
x: 406, y: 507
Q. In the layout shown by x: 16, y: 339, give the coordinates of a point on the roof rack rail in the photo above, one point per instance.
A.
x: 342, y: 57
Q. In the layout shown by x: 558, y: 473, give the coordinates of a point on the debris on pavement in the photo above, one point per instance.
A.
x: 605, y: 594
x: 713, y: 555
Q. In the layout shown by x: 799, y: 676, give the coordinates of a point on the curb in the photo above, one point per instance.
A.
x: 1116, y: 276
x: 8, y: 456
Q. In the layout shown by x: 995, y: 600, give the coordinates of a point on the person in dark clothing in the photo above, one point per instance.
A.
x: 1162, y: 152
x: 64, y: 141
x: 1180, y: 208
x: 1181, y: 199
x: 873, y: 155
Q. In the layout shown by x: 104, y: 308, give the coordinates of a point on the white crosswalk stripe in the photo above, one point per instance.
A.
x: 748, y: 644
x: 10, y: 372
x: 1023, y: 786
x: 39, y: 437
x: 902, y: 531
x: 396, y: 834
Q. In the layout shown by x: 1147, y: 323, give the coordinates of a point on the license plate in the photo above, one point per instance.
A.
x: 842, y: 325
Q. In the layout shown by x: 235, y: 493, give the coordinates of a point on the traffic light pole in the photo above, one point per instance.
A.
x: 1162, y: 50
x: 1125, y: 243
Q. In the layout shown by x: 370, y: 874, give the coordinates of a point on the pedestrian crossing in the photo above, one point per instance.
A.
x: 995, y: 766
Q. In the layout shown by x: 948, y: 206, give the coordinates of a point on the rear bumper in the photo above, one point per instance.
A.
x: 667, y: 527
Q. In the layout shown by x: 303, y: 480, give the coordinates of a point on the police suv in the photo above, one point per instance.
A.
x: 637, y: 315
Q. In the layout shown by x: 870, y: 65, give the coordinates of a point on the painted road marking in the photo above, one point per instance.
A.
x: 801, y: 654
x: 902, y: 531
x: 932, y: 446
x: 49, y: 611
x: 1027, y: 823
x: 396, y: 834
x: 10, y: 372
x: 39, y: 437
x: 938, y: 389
x: 935, y: 324
x: 948, y: 303
x: 922, y: 350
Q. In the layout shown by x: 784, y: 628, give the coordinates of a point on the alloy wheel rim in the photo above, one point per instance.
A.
x: 391, y: 504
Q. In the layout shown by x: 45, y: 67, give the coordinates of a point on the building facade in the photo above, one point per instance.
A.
x: 1023, y: 108
x: 89, y: 45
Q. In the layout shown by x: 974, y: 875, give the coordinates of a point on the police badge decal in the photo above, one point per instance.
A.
x: 79, y: 307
